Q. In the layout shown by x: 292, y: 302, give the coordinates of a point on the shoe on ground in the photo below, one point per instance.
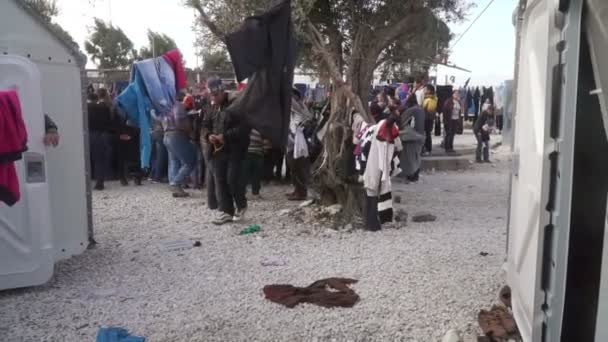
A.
x: 479, y: 161
x: 138, y: 181
x: 124, y: 182
x: 178, y: 192
x: 99, y: 186
x: 487, y: 162
x: 222, y: 218
x: 239, y: 215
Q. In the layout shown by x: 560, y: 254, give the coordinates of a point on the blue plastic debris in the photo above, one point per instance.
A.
x: 113, y: 334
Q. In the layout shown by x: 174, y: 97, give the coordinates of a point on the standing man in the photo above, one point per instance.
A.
x: 182, y: 155
x: 228, y: 139
x: 299, y: 165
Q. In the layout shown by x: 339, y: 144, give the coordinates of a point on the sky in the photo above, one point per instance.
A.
x: 487, y: 49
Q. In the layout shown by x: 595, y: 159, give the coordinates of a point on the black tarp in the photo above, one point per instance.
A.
x: 263, y: 51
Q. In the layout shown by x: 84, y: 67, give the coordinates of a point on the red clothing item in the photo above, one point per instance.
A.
x: 9, y: 184
x: 174, y: 58
x: 12, y: 127
x: 12, y: 145
x: 388, y: 134
x: 188, y: 102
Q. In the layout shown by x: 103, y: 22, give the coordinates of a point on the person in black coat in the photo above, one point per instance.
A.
x: 101, y: 129
x: 482, y: 128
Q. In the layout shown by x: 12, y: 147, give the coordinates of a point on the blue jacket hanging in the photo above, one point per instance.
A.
x: 152, y: 93
x: 137, y: 106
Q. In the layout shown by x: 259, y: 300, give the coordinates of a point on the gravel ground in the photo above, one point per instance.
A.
x: 415, y: 282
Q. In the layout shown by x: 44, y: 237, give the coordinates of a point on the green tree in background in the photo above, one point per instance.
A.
x: 349, y: 41
x: 158, y: 44
x: 48, y: 10
x: 216, y: 62
x: 356, y: 38
x: 109, y: 47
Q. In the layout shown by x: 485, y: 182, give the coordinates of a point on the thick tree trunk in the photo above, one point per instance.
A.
x: 361, y: 76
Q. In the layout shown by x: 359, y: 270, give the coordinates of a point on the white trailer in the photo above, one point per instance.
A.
x: 557, y: 262
x: 53, y: 219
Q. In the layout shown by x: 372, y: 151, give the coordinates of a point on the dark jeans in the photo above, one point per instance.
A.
x: 198, y: 174
x: 372, y: 221
x: 253, y: 168
x: 450, y: 131
x: 212, y: 202
x: 182, y: 156
x: 101, y: 155
x: 300, y: 173
x: 483, y: 148
x: 209, y: 177
x: 429, y: 126
x: 228, y: 185
x: 161, y: 160
x: 128, y: 159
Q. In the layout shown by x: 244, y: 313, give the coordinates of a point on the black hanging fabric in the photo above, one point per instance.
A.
x: 263, y: 51
x: 468, y: 103
x: 443, y: 93
x: 476, y: 100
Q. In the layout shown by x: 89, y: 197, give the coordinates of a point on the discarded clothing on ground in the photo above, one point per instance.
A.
x: 328, y: 293
x: 12, y: 145
x: 116, y: 335
x: 263, y: 50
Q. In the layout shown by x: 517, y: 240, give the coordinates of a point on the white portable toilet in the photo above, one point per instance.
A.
x: 557, y: 263
x: 53, y: 219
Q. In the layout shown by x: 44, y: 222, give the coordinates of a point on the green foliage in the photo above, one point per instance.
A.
x: 46, y: 8
x: 159, y: 43
x: 109, y: 47
x: 216, y: 62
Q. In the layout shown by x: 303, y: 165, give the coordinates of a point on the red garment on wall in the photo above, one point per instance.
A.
x: 12, y: 145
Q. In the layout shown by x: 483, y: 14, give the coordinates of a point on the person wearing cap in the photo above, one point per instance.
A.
x: 227, y: 139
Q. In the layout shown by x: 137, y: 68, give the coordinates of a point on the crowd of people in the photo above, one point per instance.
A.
x: 202, y: 144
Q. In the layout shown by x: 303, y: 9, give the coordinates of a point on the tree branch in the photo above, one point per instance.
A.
x: 207, y: 21
x: 316, y: 39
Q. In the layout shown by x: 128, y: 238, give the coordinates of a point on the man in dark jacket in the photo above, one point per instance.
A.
x: 482, y: 128
x: 227, y: 140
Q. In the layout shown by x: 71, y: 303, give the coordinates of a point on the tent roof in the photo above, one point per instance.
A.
x: 80, y: 58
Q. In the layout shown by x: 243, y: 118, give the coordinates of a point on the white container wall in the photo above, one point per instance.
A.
x: 26, y: 240
x: 60, y: 67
